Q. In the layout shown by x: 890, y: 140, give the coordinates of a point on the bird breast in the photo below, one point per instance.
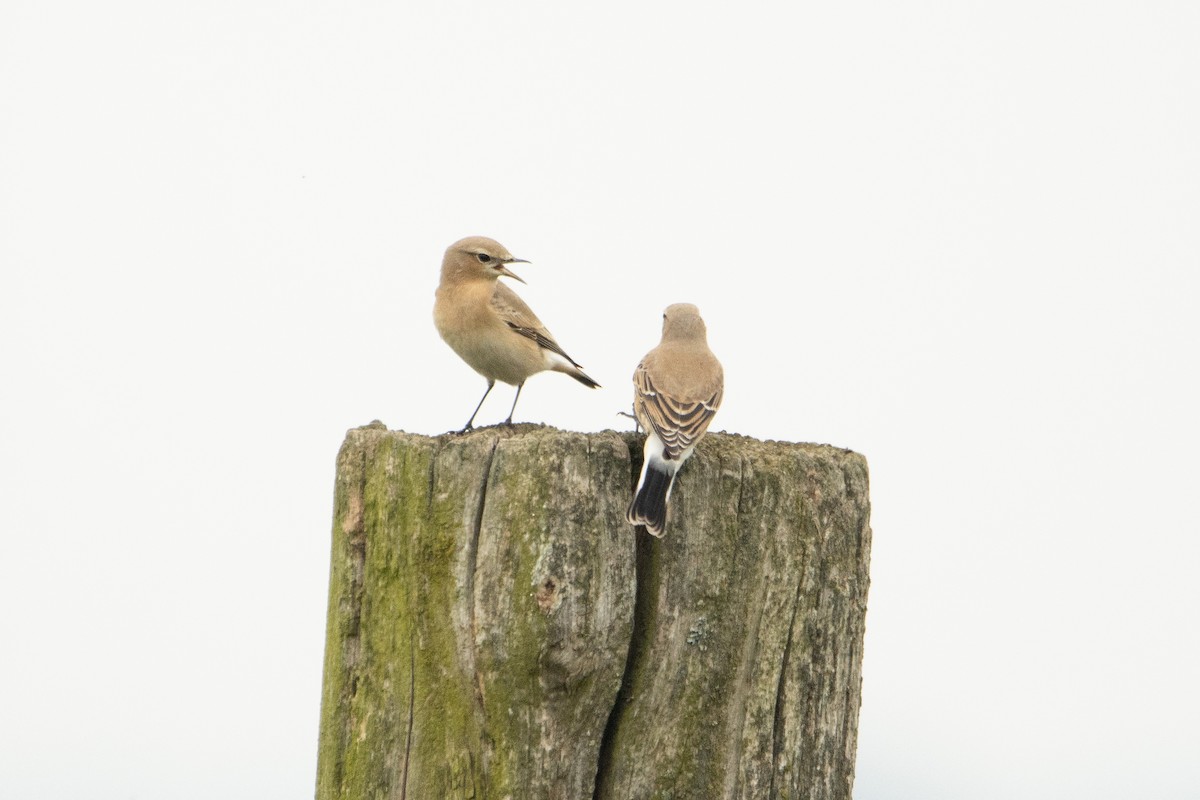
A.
x: 467, y: 322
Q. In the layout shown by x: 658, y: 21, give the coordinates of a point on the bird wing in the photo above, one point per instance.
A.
x: 678, y: 423
x: 521, y: 319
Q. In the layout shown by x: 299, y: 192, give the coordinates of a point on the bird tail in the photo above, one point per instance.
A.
x: 559, y: 361
x: 583, y: 378
x: 649, y: 504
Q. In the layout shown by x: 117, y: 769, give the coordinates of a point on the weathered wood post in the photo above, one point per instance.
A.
x: 496, y: 629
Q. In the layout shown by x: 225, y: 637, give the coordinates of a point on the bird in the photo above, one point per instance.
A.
x: 489, y: 326
x: 677, y: 389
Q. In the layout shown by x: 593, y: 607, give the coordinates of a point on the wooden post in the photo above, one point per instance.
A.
x: 496, y: 629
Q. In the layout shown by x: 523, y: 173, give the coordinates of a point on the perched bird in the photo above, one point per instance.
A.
x: 489, y: 326
x: 677, y: 390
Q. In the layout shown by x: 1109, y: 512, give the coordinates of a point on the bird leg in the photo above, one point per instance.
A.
x: 469, y: 425
x: 514, y: 405
x: 637, y: 426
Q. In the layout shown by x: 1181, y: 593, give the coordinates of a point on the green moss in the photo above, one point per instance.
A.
x: 482, y: 611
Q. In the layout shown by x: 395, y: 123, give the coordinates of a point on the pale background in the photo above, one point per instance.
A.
x: 960, y: 238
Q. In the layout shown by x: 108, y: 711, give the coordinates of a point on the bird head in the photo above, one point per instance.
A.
x: 683, y: 321
x: 482, y: 257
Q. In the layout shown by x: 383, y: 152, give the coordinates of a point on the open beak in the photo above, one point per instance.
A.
x: 504, y: 270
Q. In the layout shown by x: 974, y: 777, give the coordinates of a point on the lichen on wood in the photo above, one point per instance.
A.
x: 497, y: 630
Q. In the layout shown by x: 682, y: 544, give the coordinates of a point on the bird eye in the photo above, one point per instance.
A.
x: 483, y: 257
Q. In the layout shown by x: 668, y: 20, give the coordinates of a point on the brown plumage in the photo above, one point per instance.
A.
x: 489, y: 326
x: 677, y: 389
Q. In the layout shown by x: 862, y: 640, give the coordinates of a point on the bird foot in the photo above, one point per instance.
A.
x: 637, y: 426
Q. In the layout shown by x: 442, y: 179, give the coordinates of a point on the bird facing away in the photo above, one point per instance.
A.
x: 489, y: 326
x: 677, y: 389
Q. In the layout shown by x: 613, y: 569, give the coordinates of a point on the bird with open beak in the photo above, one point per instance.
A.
x: 489, y: 326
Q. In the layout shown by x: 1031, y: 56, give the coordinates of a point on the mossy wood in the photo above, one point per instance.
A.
x: 496, y: 630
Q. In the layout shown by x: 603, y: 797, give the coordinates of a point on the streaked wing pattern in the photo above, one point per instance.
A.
x: 521, y: 319
x: 678, y: 424
x: 543, y: 341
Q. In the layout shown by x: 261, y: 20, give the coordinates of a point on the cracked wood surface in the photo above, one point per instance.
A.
x: 496, y: 629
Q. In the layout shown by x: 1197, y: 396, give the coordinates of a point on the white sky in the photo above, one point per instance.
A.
x: 960, y: 238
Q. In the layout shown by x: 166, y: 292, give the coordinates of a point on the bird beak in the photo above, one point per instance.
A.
x: 506, y: 271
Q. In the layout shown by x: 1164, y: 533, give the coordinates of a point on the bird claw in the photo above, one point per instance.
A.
x: 637, y: 426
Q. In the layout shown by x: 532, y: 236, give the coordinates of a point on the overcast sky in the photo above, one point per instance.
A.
x: 959, y: 238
